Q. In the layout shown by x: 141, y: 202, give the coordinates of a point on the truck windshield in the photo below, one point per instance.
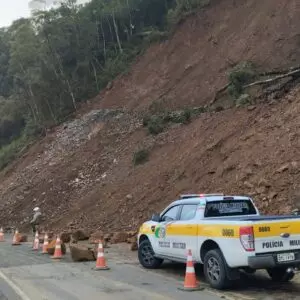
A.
x: 229, y: 208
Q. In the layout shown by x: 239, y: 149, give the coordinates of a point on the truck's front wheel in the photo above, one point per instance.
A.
x: 215, y: 269
x: 146, y: 256
x: 280, y: 274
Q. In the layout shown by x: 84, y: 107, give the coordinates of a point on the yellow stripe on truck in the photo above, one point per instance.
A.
x: 228, y: 231
x: 275, y: 229
x: 203, y: 230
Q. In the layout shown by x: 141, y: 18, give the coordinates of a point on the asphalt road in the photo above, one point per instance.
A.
x: 6, y: 291
x: 26, y: 275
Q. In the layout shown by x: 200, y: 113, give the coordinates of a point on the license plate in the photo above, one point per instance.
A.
x: 285, y: 257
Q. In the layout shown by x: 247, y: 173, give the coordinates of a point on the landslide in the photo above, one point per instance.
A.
x: 82, y: 174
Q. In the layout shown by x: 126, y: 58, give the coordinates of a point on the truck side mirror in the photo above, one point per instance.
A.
x: 155, y: 218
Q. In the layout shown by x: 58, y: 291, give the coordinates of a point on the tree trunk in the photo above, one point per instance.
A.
x: 104, y: 42
x: 95, y: 75
x: 111, y: 33
x: 61, y: 71
x: 130, y: 18
x: 117, y: 33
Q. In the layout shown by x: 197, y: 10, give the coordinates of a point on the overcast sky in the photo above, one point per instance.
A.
x: 11, y: 10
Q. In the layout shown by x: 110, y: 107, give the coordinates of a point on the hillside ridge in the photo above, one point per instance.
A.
x: 82, y: 174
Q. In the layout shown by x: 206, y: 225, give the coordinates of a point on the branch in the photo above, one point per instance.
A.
x: 272, y: 79
x: 222, y: 89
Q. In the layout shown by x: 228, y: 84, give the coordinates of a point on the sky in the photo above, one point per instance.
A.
x: 11, y: 10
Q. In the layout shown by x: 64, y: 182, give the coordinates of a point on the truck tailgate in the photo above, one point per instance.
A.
x: 276, y: 236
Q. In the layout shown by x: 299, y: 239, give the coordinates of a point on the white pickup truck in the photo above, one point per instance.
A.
x: 226, y: 234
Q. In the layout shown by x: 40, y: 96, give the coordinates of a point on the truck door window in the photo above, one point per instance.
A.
x: 171, y: 214
x: 188, y: 212
x: 229, y: 208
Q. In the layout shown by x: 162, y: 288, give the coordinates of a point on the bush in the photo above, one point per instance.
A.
x: 186, y: 116
x: 155, y: 125
x: 219, y: 108
x: 243, y: 100
x: 241, y: 75
x: 140, y: 157
x: 146, y: 120
x: 199, y: 110
x: 182, y: 117
x: 11, y: 151
x: 182, y: 9
x: 154, y: 35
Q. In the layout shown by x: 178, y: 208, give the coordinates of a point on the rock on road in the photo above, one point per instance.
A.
x: 26, y: 275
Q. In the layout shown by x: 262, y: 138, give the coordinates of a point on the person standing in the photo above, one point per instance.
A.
x: 35, y: 222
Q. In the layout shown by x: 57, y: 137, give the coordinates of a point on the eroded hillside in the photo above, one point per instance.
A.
x: 82, y: 173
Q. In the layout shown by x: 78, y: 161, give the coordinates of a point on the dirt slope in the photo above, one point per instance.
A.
x: 82, y: 173
x: 191, y: 66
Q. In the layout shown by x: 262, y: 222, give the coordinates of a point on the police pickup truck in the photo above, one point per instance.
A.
x: 226, y: 234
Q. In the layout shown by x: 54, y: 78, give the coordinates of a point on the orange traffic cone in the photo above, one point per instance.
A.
x: 190, y: 282
x: 100, y: 263
x: 1, y: 235
x: 57, y: 252
x: 36, y: 242
x: 15, y: 241
x: 45, y: 245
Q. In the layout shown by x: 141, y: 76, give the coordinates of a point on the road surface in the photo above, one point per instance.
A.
x: 26, y: 275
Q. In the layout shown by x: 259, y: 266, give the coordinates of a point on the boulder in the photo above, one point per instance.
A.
x: 264, y: 183
x: 18, y: 237
x: 73, y: 241
x: 65, y: 237
x: 96, y: 237
x: 134, y: 246
x: 23, y: 238
x: 80, y: 235
x: 51, y: 247
x: 119, y: 237
x: 82, y: 253
x: 107, y: 237
x: 283, y: 168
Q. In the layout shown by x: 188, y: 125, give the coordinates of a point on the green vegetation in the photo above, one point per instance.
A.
x: 183, y: 8
x: 156, y: 123
x: 241, y: 75
x: 140, y: 157
x: 58, y: 58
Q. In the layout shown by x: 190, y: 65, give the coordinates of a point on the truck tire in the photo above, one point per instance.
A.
x: 146, y: 256
x: 280, y: 274
x: 215, y: 269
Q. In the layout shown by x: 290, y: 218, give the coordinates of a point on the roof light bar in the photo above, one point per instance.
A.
x: 187, y: 196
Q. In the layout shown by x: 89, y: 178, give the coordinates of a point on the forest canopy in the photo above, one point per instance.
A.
x: 58, y: 58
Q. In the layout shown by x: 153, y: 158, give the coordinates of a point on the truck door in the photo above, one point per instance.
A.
x: 183, y: 232
x: 162, y: 236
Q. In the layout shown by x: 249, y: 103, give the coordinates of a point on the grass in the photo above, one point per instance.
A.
x: 140, y: 157
x: 240, y: 75
x: 11, y: 151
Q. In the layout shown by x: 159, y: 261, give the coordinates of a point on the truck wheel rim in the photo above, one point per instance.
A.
x: 147, y: 254
x: 213, y: 269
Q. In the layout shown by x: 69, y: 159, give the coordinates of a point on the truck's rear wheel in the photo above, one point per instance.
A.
x: 146, y: 256
x: 280, y: 274
x: 215, y: 269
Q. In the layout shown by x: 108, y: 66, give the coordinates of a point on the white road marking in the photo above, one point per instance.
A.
x: 15, y: 288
